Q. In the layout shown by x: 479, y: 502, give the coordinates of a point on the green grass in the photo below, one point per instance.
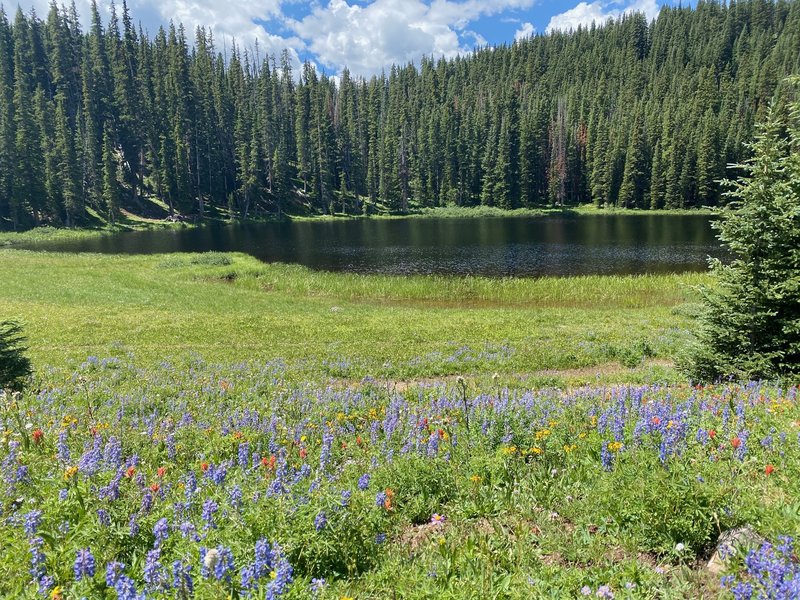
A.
x: 38, y: 235
x: 233, y: 308
x: 201, y: 354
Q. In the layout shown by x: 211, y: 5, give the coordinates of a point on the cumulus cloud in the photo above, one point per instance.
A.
x: 369, y: 38
x: 364, y: 35
x: 525, y: 31
x: 586, y: 13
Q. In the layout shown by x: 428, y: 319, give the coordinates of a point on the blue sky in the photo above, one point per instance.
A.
x: 369, y: 35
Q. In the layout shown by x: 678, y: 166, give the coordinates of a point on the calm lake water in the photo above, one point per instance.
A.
x: 554, y: 245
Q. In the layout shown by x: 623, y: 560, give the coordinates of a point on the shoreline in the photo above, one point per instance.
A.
x: 10, y: 239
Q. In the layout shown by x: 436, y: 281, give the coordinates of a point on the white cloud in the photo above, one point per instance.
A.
x: 585, y: 13
x: 525, y: 31
x: 230, y: 20
x: 369, y: 38
x: 366, y: 36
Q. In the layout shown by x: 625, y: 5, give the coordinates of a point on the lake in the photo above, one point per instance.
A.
x: 492, y: 246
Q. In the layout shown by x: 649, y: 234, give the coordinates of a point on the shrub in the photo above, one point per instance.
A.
x: 14, y: 365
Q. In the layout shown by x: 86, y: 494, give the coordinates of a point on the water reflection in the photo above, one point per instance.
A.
x: 567, y: 245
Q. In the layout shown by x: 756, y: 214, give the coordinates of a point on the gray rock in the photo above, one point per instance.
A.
x: 730, y: 544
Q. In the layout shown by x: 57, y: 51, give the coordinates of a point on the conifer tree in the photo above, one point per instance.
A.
x: 751, y: 324
x: 111, y: 188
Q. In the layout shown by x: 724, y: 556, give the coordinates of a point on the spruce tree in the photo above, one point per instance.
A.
x: 14, y: 365
x: 111, y: 187
x: 751, y: 324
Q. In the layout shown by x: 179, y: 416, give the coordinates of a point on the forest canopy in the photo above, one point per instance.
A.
x: 628, y: 114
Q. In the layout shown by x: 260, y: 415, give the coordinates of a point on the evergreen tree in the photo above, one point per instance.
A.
x: 111, y: 187
x: 651, y: 121
x: 751, y: 323
x: 14, y: 365
x: 632, y: 191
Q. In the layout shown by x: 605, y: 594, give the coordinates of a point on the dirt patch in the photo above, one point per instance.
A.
x: 582, y: 373
x: 415, y: 536
x: 612, y: 368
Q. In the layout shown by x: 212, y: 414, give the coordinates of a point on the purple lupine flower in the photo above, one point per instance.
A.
x: 112, y: 453
x: 317, y: 585
x: 320, y: 521
x: 133, y: 525
x: 161, y: 531
x: 209, y: 509
x: 606, y: 457
x: 225, y: 565
x: 172, y: 451
x: 182, y: 581
x: 103, y: 517
x: 283, y: 574
x: 189, y: 531
x: 37, y: 569
x: 380, y: 538
x: 346, y: 494
x: 771, y: 572
x: 126, y: 589
x: 84, y: 564
x: 244, y: 455
x: 190, y: 484
x: 63, y: 494
x: 62, y: 450
x: 235, y: 496
x: 89, y: 463
x: 147, y: 501
x: 154, y: 575
x: 363, y: 482
x: 249, y: 580
x: 433, y: 444
x: 32, y: 521
x: 604, y: 591
x: 263, y: 560
x: 218, y: 473
x: 325, y: 451
x: 113, y: 571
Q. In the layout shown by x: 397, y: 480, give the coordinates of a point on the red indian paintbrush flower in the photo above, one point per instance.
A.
x: 38, y: 435
x: 769, y: 469
x: 736, y: 442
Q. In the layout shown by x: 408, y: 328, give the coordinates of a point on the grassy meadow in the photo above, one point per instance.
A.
x: 234, y: 308
x: 208, y: 426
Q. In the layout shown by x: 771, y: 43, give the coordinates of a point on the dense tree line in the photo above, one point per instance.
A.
x: 630, y: 114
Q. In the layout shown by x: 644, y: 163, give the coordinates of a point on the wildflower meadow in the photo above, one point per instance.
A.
x: 243, y: 481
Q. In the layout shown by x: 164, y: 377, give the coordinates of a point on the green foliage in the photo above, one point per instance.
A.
x: 663, y: 508
x: 751, y: 324
x: 101, y: 120
x: 14, y: 365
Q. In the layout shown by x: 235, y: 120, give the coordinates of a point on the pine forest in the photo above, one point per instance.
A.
x: 631, y: 114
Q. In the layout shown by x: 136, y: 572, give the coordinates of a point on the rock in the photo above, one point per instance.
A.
x: 730, y: 543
